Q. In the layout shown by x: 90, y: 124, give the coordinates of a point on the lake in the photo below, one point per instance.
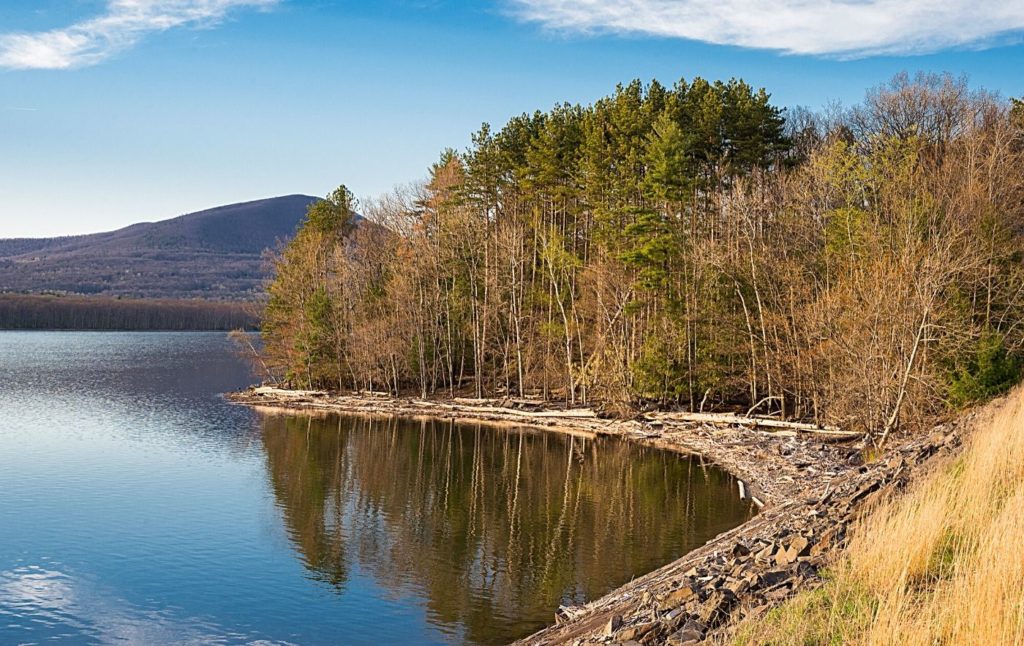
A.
x: 138, y: 506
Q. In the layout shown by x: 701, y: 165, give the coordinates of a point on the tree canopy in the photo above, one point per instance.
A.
x: 684, y: 246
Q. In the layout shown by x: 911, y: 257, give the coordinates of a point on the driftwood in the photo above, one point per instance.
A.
x: 576, y: 413
x: 731, y: 419
x: 285, y: 393
x: 497, y: 408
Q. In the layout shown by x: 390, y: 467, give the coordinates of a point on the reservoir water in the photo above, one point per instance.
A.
x: 137, y: 506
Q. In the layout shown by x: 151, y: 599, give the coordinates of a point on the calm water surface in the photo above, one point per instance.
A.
x: 137, y: 506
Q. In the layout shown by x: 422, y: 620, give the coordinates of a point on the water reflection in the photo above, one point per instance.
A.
x: 73, y: 609
x: 140, y: 507
x: 490, y: 529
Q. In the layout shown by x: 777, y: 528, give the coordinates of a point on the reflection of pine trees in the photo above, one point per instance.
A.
x: 308, y: 472
x: 492, y: 528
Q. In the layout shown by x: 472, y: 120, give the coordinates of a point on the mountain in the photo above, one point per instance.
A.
x: 212, y: 254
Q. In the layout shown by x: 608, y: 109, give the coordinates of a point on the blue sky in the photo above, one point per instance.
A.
x: 118, y: 111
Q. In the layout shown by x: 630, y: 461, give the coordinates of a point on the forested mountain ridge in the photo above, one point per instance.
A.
x: 692, y: 246
x: 215, y: 254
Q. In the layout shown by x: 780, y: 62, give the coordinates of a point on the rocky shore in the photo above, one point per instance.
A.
x: 810, y: 483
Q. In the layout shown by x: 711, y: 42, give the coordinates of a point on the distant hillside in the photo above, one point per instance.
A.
x: 213, y: 254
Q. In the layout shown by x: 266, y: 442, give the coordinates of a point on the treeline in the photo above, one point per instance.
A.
x: 685, y: 246
x: 47, y: 312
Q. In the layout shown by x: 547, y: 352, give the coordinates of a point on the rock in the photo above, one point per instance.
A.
x: 716, y: 609
x: 677, y: 598
x: 765, y: 555
x: 692, y: 632
x: 738, y: 587
x: 784, y: 556
x: 773, y: 578
x: 634, y: 633
x: 696, y: 625
x: 865, y: 490
x: 684, y: 637
x: 613, y: 624
x: 800, y: 546
x: 739, y: 549
x: 828, y: 539
x: 805, y: 570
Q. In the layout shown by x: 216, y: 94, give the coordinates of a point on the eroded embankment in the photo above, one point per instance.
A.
x: 811, y: 485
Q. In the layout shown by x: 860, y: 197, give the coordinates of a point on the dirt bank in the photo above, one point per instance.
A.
x: 811, y: 484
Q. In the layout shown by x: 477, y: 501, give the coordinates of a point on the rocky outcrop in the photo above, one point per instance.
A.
x: 751, y: 569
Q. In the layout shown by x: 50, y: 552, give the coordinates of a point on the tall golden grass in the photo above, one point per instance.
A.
x: 943, y: 564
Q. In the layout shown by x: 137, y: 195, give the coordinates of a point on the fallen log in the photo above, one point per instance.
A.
x: 576, y: 413
x: 731, y: 419
x: 271, y: 391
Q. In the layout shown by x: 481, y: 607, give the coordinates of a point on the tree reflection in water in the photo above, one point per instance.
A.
x: 490, y: 528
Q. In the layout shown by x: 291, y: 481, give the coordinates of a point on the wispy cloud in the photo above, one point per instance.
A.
x: 123, y: 25
x: 843, y: 28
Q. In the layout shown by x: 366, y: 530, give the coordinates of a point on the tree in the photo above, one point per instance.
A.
x: 299, y: 331
x: 684, y: 246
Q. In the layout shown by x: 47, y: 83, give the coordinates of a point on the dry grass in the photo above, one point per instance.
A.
x: 942, y: 565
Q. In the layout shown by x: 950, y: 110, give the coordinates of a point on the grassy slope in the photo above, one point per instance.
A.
x: 942, y: 564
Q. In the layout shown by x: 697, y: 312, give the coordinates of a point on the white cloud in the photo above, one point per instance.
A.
x: 845, y: 28
x: 122, y: 26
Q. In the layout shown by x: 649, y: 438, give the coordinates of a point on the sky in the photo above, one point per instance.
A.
x: 119, y: 111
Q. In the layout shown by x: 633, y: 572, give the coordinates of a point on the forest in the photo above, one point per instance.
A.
x: 53, y: 312
x: 692, y: 246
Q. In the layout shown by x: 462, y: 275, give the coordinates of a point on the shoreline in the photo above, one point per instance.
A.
x: 809, y: 484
